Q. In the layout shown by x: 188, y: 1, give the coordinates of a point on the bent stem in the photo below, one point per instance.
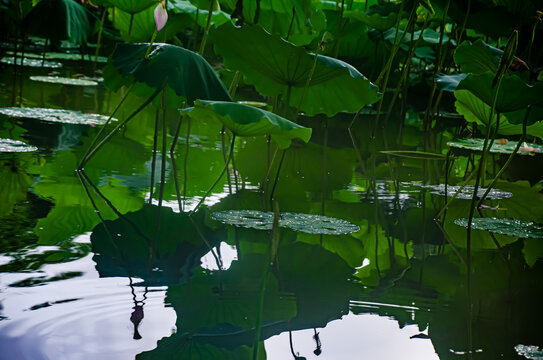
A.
x: 123, y: 123
x: 219, y: 177
x: 86, y: 156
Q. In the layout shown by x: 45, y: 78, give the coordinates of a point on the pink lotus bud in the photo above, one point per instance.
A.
x: 161, y: 15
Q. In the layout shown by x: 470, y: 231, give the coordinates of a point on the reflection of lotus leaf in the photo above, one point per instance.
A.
x: 466, y: 193
x: 31, y: 62
x: 63, y: 80
x: 8, y: 145
x: 55, y: 115
x: 511, y: 227
x: 307, y: 223
x: 477, y: 145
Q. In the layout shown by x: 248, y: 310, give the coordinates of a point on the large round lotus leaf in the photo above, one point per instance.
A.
x: 477, y: 145
x: 466, y: 192
x: 475, y: 110
x: 184, y: 71
x: 55, y: 115
x: 9, y: 145
x: 514, y: 93
x: 274, y: 65
x: 10, y: 60
x: 184, y: 7
x: 63, y: 80
x: 511, y: 227
x: 375, y: 20
x: 58, y: 20
x: 244, y: 120
x: 478, y: 57
x: 132, y: 6
x: 307, y: 223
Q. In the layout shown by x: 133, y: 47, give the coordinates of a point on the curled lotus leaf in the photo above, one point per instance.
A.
x: 466, y: 193
x: 55, y: 115
x: 307, y: 223
x: 10, y: 60
x: 477, y: 145
x: 505, y: 226
x: 64, y: 80
x: 9, y: 145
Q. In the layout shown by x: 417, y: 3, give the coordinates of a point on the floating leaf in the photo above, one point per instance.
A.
x: 466, y: 192
x: 277, y: 67
x: 55, y: 115
x: 245, y: 120
x: 307, y: 223
x: 64, y: 80
x: 477, y: 145
x: 63, y: 56
x: 9, y: 145
x: 532, y: 352
x: 511, y: 227
x: 31, y: 62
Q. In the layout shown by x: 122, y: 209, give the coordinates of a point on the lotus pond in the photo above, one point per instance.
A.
x: 271, y: 179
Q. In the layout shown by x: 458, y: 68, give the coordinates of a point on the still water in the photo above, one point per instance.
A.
x: 91, y: 267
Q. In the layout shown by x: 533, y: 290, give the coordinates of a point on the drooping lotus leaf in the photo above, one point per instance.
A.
x: 514, y: 93
x: 477, y: 145
x: 477, y: 57
x: 504, y: 226
x: 10, y: 60
x: 58, y: 20
x: 55, y: 115
x: 449, y: 82
x: 245, y: 120
x: 132, y: 6
x: 307, y: 223
x: 466, y: 192
x: 274, y: 66
x: 64, y: 80
x: 475, y: 110
x: 9, y: 145
x: 184, y: 71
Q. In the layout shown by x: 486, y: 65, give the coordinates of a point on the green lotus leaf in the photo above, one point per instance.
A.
x: 64, y: 80
x: 10, y: 60
x: 244, y: 120
x: 475, y: 110
x: 477, y: 57
x: 185, y: 72
x: 55, y: 115
x: 306, y: 223
x: 514, y: 93
x: 511, y: 227
x: 183, y: 7
x: 58, y: 20
x: 277, y: 67
x: 449, y: 82
x: 132, y: 6
x: 477, y: 145
x: 466, y: 193
x: 375, y: 20
x: 9, y: 145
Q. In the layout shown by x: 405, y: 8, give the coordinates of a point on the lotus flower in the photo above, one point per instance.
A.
x: 161, y: 15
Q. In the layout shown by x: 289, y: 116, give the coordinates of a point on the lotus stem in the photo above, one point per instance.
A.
x: 208, y: 24
x: 153, y: 161
x: 99, y: 40
x: 341, y: 24
x: 164, y: 138
x: 277, y: 174
x: 130, y: 27
x: 86, y: 156
x: 291, y: 23
x: 509, y: 159
x: 150, y: 44
x: 185, y: 161
x: 174, y: 165
x: 123, y: 123
x: 309, y: 77
x: 219, y: 177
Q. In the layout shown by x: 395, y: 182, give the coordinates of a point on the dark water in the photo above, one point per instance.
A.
x: 91, y: 268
